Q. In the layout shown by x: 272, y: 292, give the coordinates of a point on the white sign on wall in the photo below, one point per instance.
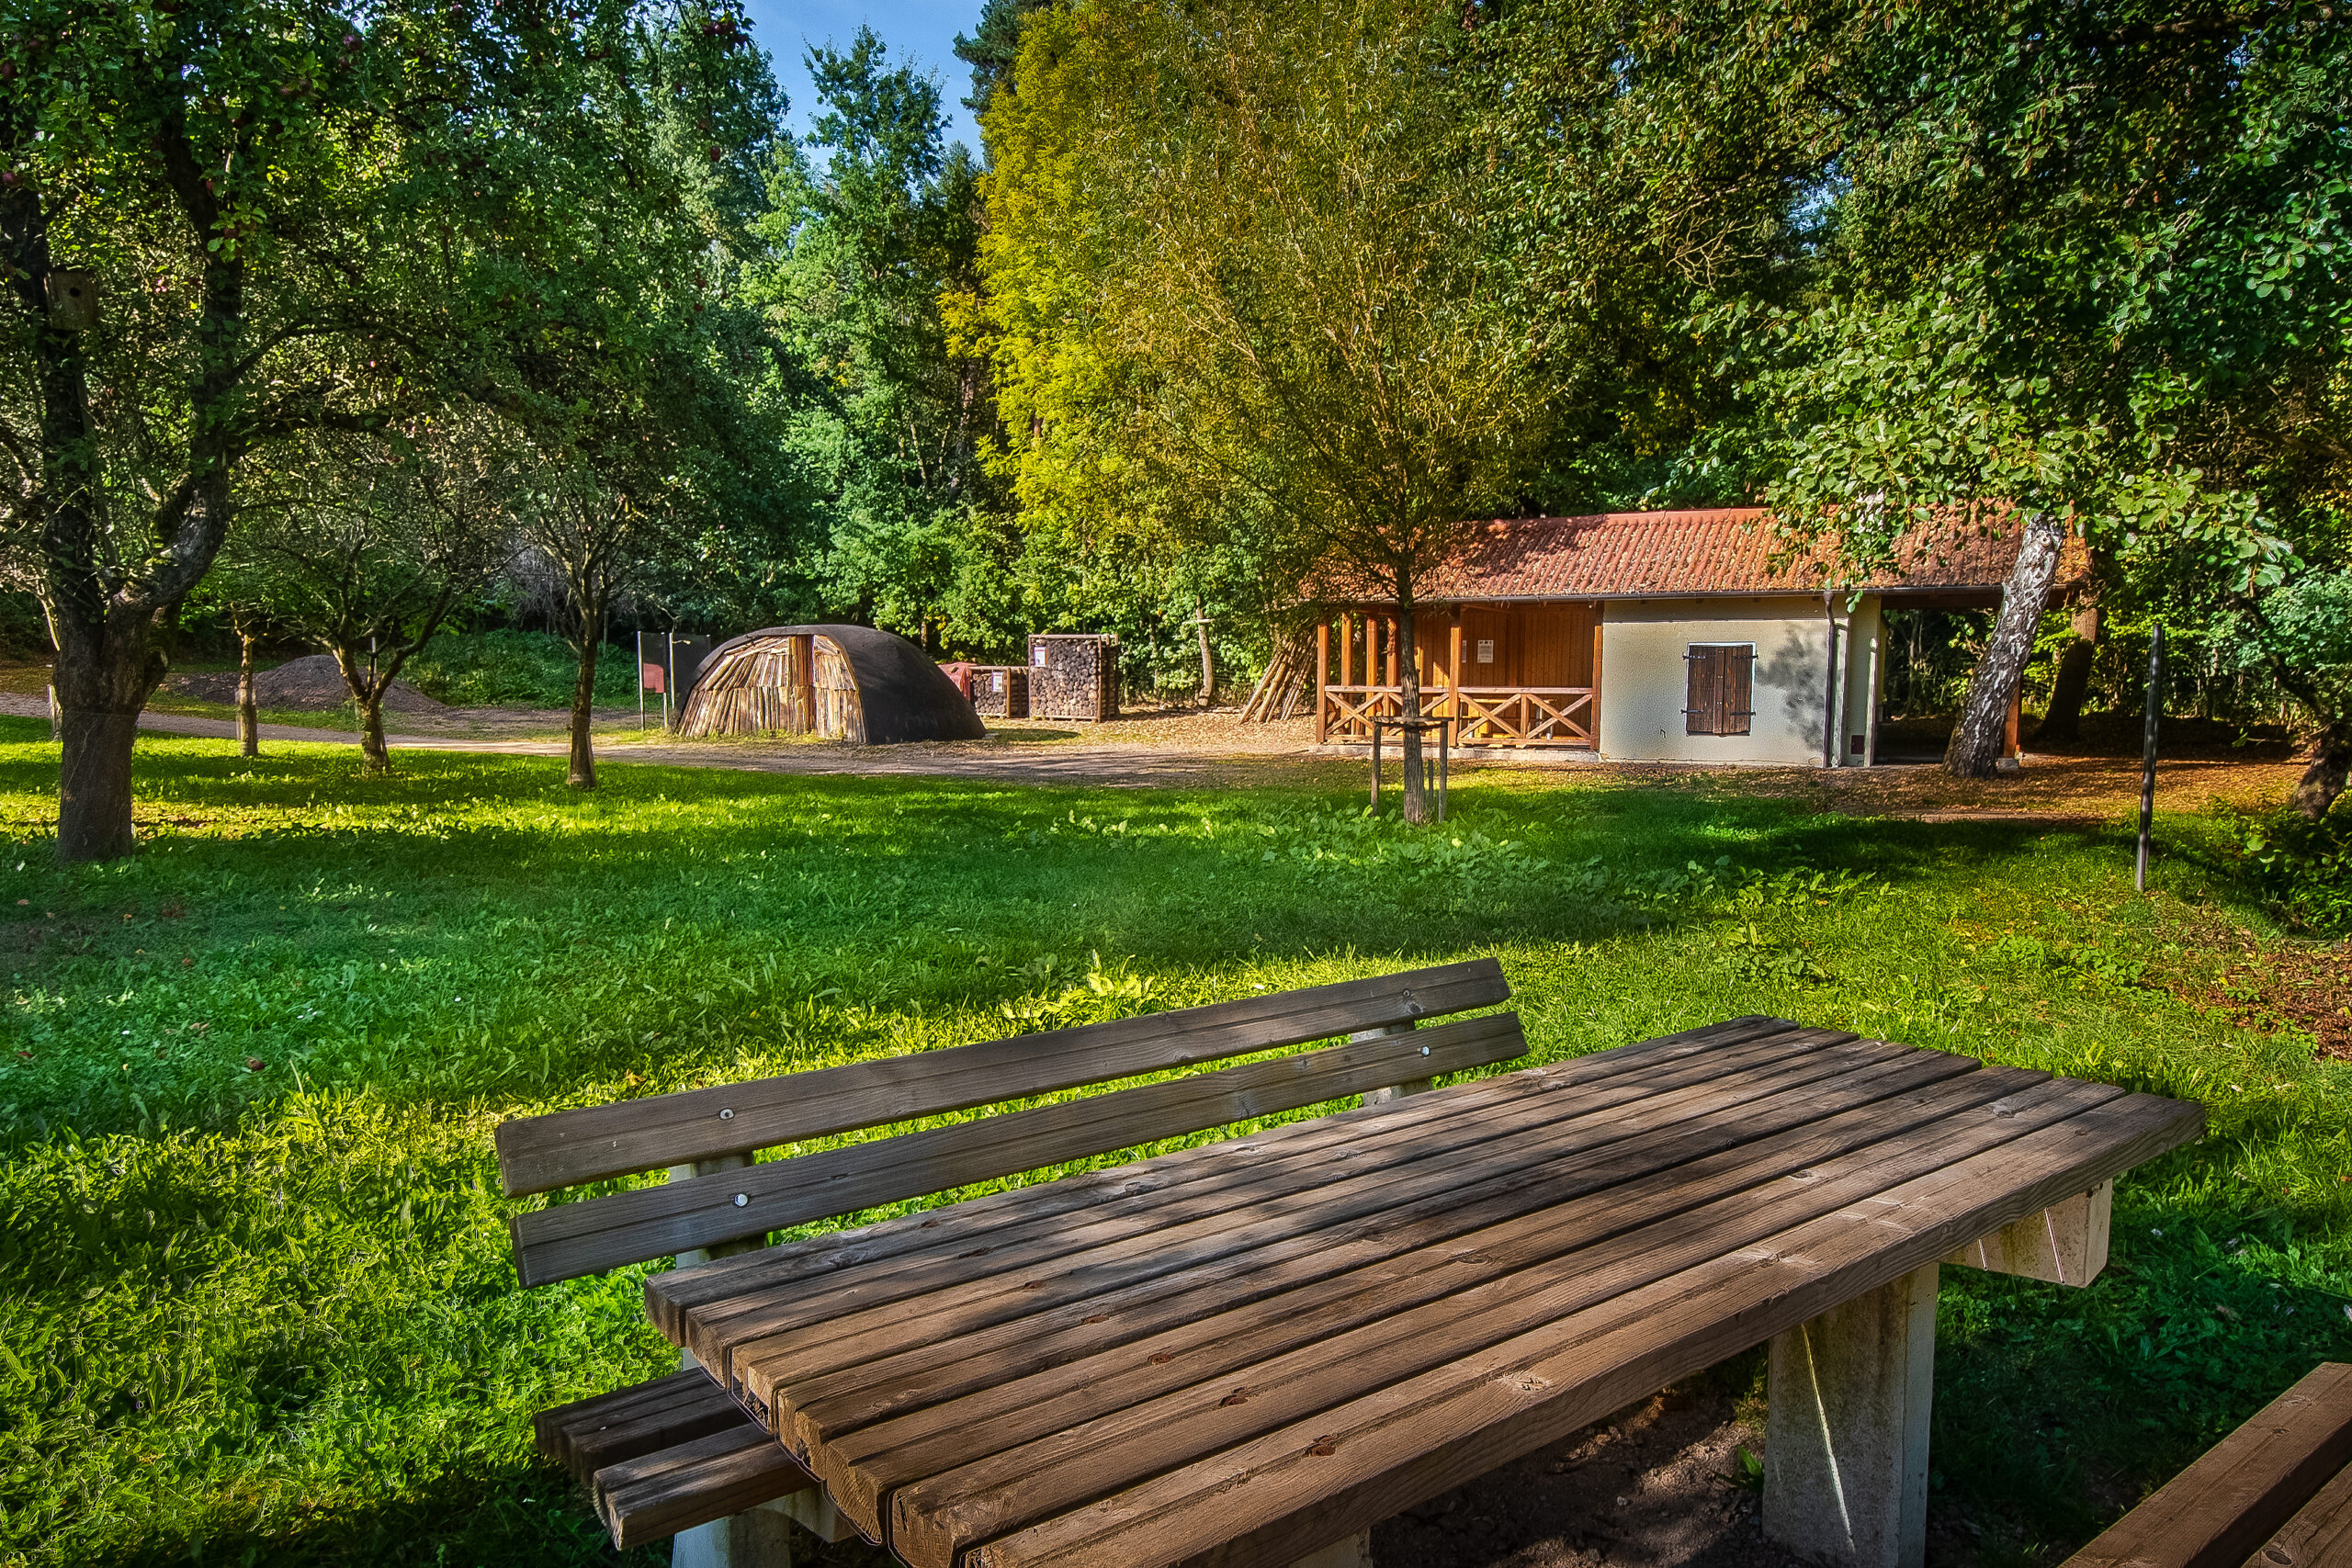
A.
x: 1485, y: 650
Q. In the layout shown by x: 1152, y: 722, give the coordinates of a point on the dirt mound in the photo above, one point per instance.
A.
x: 310, y: 684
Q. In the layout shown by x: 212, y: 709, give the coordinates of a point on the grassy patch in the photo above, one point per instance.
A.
x: 512, y: 669
x: 255, y: 1294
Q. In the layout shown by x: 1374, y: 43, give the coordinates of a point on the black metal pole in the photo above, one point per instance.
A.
x: 2148, y: 755
x: 1375, y: 764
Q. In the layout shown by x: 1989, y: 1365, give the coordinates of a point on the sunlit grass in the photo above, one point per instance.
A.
x: 254, y: 1293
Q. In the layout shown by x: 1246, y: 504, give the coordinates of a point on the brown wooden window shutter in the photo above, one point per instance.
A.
x: 1722, y: 684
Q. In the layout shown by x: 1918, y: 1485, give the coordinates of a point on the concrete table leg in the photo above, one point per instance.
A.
x: 1845, y: 1430
x: 1353, y: 1552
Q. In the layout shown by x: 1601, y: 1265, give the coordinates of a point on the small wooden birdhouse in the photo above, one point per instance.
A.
x: 72, y: 300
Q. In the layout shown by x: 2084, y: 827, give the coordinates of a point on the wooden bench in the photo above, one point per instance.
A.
x: 2277, y: 1493
x: 678, y: 1454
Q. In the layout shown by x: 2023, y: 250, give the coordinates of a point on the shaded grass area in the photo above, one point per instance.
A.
x: 255, y: 1303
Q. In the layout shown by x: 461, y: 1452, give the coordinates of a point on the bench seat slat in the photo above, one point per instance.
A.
x: 2240, y: 1492
x: 574, y: 1239
x: 644, y: 1499
x: 541, y: 1154
x: 2319, y: 1536
x: 629, y: 1423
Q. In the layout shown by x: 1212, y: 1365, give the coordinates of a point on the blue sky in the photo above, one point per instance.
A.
x: 923, y: 32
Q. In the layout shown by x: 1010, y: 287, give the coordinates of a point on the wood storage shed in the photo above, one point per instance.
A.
x: 1073, y: 676
x: 850, y: 684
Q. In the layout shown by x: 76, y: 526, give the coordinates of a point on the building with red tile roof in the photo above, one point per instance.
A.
x: 1722, y: 641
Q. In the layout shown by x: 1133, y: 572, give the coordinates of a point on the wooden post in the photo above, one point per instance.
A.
x: 1347, y: 650
x: 1453, y: 671
x: 1592, y: 702
x: 1389, y: 628
x: 1322, y: 675
x: 1845, y: 1430
x: 2010, y: 743
x: 2148, y: 757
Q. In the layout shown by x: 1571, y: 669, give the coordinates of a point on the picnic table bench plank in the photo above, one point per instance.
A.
x: 1278, y: 1156
x: 1192, y: 1224
x: 1317, y: 1287
x: 590, y: 1434
x: 572, y: 1239
x: 567, y: 1148
x: 2318, y: 1536
x: 692, y: 1483
x: 920, y: 1367
x: 2218, y: 1511
x: 1272, y: 1497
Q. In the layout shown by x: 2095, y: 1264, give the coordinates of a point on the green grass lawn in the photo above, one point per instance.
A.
x: 255, y: 1302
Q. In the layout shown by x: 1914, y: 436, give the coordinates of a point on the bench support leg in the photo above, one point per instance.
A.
x: 1845, y: 1430
x: 757, y: 1538
x: 1353, y: 1552
x: 1388, y: 1096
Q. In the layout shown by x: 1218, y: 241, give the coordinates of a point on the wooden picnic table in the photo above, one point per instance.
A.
x: 1243, y: 1352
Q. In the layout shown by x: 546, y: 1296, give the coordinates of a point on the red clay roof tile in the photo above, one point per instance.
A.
x: 1727, y: 550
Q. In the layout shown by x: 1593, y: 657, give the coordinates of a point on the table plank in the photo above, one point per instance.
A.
x: 541, y: 1154
x: 1281, y: 1493
x: 670, y: 1295
x: 1407, y: 1286
x: 1388, y: 1165
x: 934, y: 1516
x: 575, y: 1240
x: 1286, y: 1245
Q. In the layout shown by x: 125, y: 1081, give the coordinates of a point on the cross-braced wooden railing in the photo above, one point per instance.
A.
x: 1484, y: 715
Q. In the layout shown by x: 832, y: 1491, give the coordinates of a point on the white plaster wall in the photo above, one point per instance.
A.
x: 1643, y: 678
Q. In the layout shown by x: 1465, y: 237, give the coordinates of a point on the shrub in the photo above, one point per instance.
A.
x: 2304, y: 869
x: 512, y: 668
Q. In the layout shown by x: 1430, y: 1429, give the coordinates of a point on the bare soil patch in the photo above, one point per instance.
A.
x: 310, y: 684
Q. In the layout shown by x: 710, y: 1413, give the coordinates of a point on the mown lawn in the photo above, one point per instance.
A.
x: 256, y: 1304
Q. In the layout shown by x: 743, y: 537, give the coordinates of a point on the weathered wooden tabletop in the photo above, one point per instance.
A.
x: 1242, y: 1351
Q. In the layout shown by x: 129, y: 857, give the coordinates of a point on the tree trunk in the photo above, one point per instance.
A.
x: 1976, y: 742
x: 374, y: 758
x: 248, y: 714
x: 1208, y: 661
x: 2324, y: 780
x: 583, y: 702
x: 1417, y: 806
x: 102, y: 681
x: 2064, y: 719
x: 367, y: 696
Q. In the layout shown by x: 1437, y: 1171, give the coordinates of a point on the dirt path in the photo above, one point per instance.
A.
x: 1182, y: 748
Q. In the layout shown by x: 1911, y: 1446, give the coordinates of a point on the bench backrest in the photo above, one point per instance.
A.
x: 541, y: 1153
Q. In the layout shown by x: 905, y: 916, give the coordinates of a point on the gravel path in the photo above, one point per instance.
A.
x: 1136, y: 765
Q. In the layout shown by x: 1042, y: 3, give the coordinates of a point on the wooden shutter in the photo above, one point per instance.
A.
x: 1719, y: 694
